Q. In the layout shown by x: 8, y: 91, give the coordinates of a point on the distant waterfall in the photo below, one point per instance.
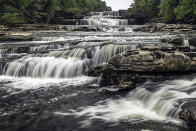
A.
x: 111, y: 13
x: 108, y: 18
x: 103, y: 22
x: 105, y: 13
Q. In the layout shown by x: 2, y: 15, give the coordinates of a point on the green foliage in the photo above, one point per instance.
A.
x: 44, y: 11
x: 169, y: 10
x: 11, y: 15
x: 186, y: 10
x: 146, y: 7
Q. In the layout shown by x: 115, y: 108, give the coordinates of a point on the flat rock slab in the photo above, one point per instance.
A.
x: 133, y: 67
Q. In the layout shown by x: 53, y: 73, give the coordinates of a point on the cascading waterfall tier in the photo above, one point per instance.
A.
x: 106, y: 13
x: 44, y: 48
x: 46, y: 67
x: 104, y: 53
x: 108, y: 18
x: 152, y: 101
x: 64, y: 63
x: 8, y: 51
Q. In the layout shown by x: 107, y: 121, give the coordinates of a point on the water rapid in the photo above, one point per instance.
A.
x: 43, y: 83
x: 155, y: 101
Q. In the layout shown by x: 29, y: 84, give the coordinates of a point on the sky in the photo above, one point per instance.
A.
x: 118, y: 4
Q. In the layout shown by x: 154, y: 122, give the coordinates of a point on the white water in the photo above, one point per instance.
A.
x: 62, y: 64
x: 186, y: 43
x: 27, y: 83
x: 46, y: 67
x: 76, y: 53
x: 96, y: 21
x: 46, y: 39
x: 106, y: 14
x: 43, y: 48
x: 108, y: 18
x: 104, y: 53
x: 152, y: 101
x: 8, y: 51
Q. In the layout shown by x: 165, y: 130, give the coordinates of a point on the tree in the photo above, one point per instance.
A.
x: 43, y: 11
x: 146, y: 7
x: 186, y: 10
x: 10, y: 13
x: 167, y: 10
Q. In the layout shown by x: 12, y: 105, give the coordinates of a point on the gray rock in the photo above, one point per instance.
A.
x: 10, y: 37
x: 188, y: 114
x: 133, y: 67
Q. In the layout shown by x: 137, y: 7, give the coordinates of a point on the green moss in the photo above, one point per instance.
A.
x: 23, y: 49
x: 124, y: 82
x: 175, y: 64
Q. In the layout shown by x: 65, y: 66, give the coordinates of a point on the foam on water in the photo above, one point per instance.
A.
x: 26, y: 83
x: 152, y: 101
x: 49, y: 39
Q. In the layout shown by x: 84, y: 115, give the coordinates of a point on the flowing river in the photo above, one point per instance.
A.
x: 43, y: 86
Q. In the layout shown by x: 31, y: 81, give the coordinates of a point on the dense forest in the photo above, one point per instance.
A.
x: 44, y: 11
x: 170, y: 11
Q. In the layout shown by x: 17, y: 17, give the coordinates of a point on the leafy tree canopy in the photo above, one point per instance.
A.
x: 169, y: 10
x: 44, y: 11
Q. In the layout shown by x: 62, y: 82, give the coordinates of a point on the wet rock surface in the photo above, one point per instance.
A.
x: 34, y: 110
x: 161, y: 27
x: 188, y: 114
x: 20, y: 36
x: 133, y: 67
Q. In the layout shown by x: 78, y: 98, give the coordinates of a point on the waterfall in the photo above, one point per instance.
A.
x: 62, y: 63
x: 49, y: 39
x: 152, y: 101
x: 103, y: 22
x: 104, y: 53
x: 105, y: 13
x: 8, y: 51
x: 46, y: 67
x: 186, y: 42
x: 75, y: 53
x: 49, y: 71
x: 111, y: 13
x: 43, y: 48
x: 107, y: 18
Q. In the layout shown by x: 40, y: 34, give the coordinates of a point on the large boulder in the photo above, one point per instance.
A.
x: 192, y: 42
x: 134, y: 67
x: 188, y: 114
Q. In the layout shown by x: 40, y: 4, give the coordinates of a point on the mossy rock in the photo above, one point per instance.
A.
x: 16, y: 38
